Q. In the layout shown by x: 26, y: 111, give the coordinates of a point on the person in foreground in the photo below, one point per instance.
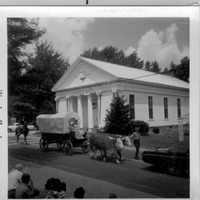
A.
x: 25, y: 189
x: 54, y: 189
x: 112, y: 196
x: 14, y: 179
x: 79, y: 193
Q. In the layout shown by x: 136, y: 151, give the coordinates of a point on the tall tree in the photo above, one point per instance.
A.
x: 112, y: 54
x: 155, y: 67
x: 93, y: 53
x: 21, y: 32
x: 152, y: 67
x: 117, y: 117
x: 182, y: 70
x: 165, y: 71
x: 134, y: 61
x: 168, y: 71
x: 147, y: 66
x: 46, y: 66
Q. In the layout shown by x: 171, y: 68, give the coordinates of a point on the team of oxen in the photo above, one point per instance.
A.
x: 106, y: 143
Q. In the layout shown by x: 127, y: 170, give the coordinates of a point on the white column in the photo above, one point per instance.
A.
x: 70, y: 104
x: 99, y: 93
x: 68, y: 99
x: 57, y: 102
x: 67, y: 103
x: 80, y: 111
x: 90, y: 113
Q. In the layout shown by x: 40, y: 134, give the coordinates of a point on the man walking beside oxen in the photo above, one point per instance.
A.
x: 136, y: 140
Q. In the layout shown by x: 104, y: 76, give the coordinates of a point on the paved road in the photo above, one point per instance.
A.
x: 130, y: 179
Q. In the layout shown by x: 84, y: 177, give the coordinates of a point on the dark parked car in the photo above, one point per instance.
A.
x: 174, y: 160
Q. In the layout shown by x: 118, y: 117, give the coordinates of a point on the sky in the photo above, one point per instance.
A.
x: 155, y: 39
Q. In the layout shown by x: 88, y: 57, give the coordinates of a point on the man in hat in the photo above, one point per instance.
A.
x: 14, y: 179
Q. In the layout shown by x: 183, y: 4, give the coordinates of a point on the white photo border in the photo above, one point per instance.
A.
x: 192, y: 12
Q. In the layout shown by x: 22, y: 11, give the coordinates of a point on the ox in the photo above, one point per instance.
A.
x: 104, y: 143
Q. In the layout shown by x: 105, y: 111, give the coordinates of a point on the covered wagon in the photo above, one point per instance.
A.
x: 62, y: 129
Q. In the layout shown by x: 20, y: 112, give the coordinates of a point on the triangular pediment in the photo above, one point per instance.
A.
x: 82, y: 73
x: 88, y: 72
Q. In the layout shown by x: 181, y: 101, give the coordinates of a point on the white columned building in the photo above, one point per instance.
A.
x: 89, y: 86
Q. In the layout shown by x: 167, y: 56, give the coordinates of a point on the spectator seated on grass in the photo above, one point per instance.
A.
x: 14, y: 179
x: 54, y: 189
x: 47, y: 188
x: 112, y: 196
x: 25, y: 189
x: 79, y: 193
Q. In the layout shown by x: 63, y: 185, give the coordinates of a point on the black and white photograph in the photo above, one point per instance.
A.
x: 99, y: 104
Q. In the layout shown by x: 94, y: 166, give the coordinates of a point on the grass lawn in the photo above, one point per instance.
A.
x: 164, y: 140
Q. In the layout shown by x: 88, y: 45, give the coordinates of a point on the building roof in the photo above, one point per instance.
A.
x: 129, y: 73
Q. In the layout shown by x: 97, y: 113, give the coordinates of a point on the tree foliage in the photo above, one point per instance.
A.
x: 117, y: 117
x: 182, y: 70
x: 46, y: 66
x: 31, y: 75
x: 152, y: 67
x: 21, y: 32
x: 111, y: 54
x: 155, y: 67
x: 147, y: 66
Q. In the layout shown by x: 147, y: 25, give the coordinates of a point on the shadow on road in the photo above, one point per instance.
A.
x: 27, y: 154
x: 109, y: 159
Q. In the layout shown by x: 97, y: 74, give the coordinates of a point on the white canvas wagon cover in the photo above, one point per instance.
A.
x: 58, y: 123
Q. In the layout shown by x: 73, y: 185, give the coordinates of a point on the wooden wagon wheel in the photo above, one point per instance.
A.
x: 86, y: 146
x: 68, y: 147
x: 43, y: 144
